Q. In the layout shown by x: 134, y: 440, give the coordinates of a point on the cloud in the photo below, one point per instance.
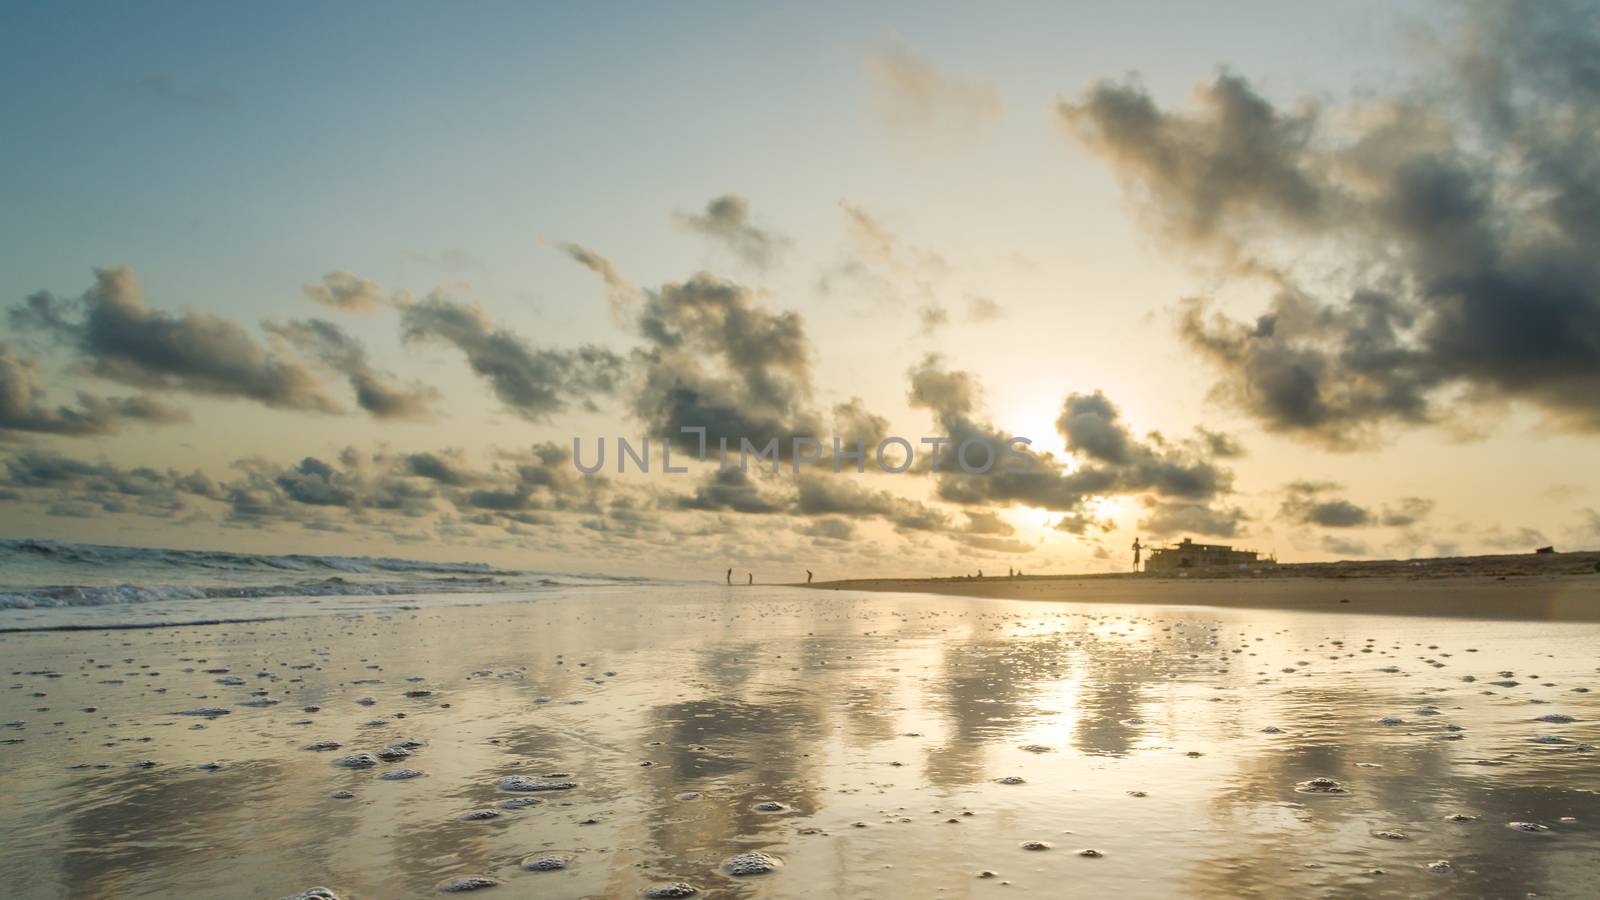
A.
x: 620, y: 293
x: 1343, y: 547
x: 533, y: 383
x: 1454, y: 218
x: 716, y: 359
x: 345, y: 291
x: 23, y: 407
x: 726, y: 219
x: 1305, y: 504
x: 730, y: 490
x: 377, y: 392
x: 912, y: 95
x: 1111, y: 460
x: 830, y: 529
x: 1171, y: 518
x: 1407, y: 511
x: 120, y: 339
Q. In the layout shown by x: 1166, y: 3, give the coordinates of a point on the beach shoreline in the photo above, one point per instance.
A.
x: 1516, y: 595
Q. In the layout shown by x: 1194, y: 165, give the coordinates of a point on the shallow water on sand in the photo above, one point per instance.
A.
x: 860, y: 742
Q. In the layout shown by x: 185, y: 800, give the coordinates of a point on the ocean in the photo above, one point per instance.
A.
x: 50, y: 584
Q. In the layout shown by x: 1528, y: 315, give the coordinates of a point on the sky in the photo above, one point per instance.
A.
x: 1320, y: 282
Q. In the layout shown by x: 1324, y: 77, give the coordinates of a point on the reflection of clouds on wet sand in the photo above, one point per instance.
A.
x: 1172, y: 741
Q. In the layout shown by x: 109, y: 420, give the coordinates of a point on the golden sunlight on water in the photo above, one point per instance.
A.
x: 871, y: 745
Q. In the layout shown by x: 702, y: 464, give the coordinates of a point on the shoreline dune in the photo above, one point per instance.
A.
x: 1542, y: 587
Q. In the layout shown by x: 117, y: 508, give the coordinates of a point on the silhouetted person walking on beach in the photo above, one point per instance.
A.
x: 1136, y: 549
x: 730, y: 576
x: 752, y: 578
x: 808, y: 576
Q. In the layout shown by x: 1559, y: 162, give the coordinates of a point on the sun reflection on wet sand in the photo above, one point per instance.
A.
x: 862, y: 740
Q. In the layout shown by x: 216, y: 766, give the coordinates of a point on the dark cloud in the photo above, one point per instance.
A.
x: 718, y: 360
x: 1111, y: 460
x: 830, y: 529
x: 377, y: 392
x: 1462, y: 213
x: 347, y: 291
x: 78, y: 488
x: 1307, y: 503
x: 1407, y: 511
x: 823, y: 495
x: 726, y: 219
x: 533, y: 383
x: 1172, y: 518
x: 120, y: 339
x: 23, y: 407
x: 731, y: 490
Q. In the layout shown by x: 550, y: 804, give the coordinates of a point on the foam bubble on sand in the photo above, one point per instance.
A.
x: 771, y: 806
x: 1556, y: 718
x: 1391, y: 720
x: 481, y: 815
x: 342, y: 795
x: 259, y: 702
x: 1037, y: 748
x: 1272, y: 729
x: 209, y: 712
x: 401, y: 774
x: 1010, y: 779
x: 524, y: 784
x: 470, y: 883
x: 1035, y: 845
x: 752, y: 863
x: 230, y: 681
x: 314, y: 893
x: 520, y: 802
x: 356, y: 761
x: 1439, y: 867
x: 367, y: 701
x: 1321, y: 786
x: 1460, y: 817
x: 1390, y: 835
x: 1530, y: 827
x: 671, y: 891
x: 545, y: 862
x: 1091, y: 853
x: 322, y: 745
x: 393, y: 754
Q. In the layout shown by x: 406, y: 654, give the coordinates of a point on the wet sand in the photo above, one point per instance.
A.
x: 1536, y: 597
x: 774, y: 742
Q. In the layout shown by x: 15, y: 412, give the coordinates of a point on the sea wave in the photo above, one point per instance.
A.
x: 101, y: 555
x: 118, y: 594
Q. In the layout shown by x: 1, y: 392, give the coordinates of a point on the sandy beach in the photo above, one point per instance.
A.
x: 1553, y: 598
x: 774, y: 742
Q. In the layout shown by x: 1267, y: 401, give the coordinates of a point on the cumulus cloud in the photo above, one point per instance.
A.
x: 23, y: 407
x: 377, y: 392
x: 717, y: 359
x: 343, y: 290
x: 532, y: 382
x: 1110, y: 459
x: 1459, y: 214
x: 910, y: 94
x: 1407, y: 511
x: 1307, y: 503
x: 121, y: 339
x: 1172, y: 518
x: 726, y: 220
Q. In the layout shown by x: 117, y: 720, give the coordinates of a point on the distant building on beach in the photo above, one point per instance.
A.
x: 1187, y: 556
